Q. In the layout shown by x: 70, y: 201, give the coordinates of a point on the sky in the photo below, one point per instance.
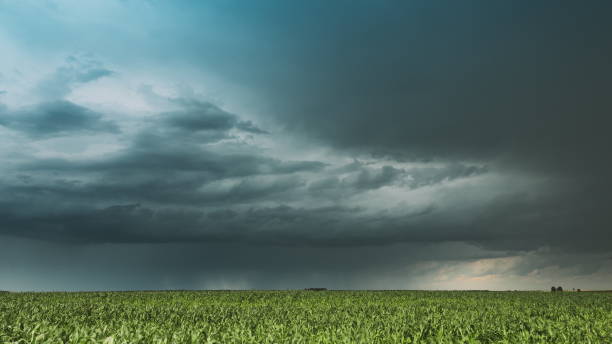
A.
x: 273, y: 144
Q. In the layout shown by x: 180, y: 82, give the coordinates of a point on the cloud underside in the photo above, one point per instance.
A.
x: 394, y: 131
x: 56, y: 118
x: 177, y: 183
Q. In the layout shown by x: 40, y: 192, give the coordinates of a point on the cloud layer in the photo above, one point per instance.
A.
x: 273, y: 145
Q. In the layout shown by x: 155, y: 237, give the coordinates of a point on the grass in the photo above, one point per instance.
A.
x: 306, y: 317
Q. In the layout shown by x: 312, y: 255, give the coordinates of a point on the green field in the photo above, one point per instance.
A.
x: 306, y: 317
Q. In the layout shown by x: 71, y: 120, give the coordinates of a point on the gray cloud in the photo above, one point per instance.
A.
x: 51, y: 266
x: 367, y: 180
x: 517, y: 87
x: 205, y: 117
x: 235, y: 214
x: 424, y: 176
x: 191, y: 193
x: 478, y: 133
x: 165, y: 166
x: 358, y: 176
x: 513, y: 83
x: 188, y: 190
x: 78, y: 69
x: 55, y: 118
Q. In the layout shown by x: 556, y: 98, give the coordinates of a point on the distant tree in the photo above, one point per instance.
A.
x: 553, y: 289
x: 559, y: 288
x: 578, y: 290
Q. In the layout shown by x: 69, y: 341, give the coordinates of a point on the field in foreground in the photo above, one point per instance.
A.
x: 306, y: 317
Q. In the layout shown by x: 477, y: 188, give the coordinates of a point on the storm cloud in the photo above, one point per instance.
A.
x: 56, y: 118
x: 347, y: 144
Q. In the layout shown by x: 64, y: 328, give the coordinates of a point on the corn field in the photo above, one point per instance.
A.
x: 306, y: 317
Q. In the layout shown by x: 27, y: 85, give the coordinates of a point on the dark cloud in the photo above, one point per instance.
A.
x: 424, y: 176
x: 518, y: 87
x: 358, y: 176
x: 166, y: 167
x: 367, y: 180
x: 52, y: 266
x: 191, y: 193
x: 167, y: 187
x: 56, y: 118
x: 248, y: 126
x: 206, y: 117
x: 518, y: 83
x: 479, y: 131
x: 235, y: 214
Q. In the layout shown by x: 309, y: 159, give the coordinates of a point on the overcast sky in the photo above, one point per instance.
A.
x: 289, y: 144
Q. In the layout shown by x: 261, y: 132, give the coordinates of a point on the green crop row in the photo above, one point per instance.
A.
x: 306, y: 317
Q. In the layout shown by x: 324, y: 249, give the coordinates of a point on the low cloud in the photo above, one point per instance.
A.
x: 56, y: 118
x: 205, y: 117
x: 393, y: 144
